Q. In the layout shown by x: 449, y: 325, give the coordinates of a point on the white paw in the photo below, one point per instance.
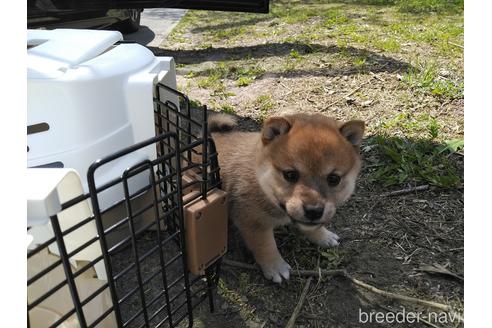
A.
x: 276, y: 270
x: 329, y: 239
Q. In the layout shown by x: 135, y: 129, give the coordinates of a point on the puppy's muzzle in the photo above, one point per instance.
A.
x: 313, y: 213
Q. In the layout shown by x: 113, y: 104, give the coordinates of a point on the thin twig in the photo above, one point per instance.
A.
x: 347, y: 95
x: 405, y: 191
x: 376, y: 77
x: 439, y: 269
x: 409, y: 299
x: 299, y: 305
x: 443, y: 307
x: 456, y: 45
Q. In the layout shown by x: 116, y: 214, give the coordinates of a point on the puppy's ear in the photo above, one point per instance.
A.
x: 274, y: 127
x: 353, y: 131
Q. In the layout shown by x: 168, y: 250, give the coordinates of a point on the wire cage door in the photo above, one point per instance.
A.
x: 140, y: 240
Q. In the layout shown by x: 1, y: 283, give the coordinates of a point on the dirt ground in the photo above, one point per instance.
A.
x: 400, y: 72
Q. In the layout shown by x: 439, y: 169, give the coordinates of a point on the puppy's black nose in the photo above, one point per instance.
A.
x: 313, y: 213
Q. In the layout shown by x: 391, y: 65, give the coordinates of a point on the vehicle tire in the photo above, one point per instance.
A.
x: 132, y: 23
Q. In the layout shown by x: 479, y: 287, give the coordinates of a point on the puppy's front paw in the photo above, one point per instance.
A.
x: 276, y: 270
x: 329, y: 239
x: 323, y: 237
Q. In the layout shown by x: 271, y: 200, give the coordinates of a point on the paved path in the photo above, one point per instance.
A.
x: 155, y: 26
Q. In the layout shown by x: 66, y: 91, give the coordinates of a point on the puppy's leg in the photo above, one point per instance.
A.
x: 262, y: 243
x: 321, y: 236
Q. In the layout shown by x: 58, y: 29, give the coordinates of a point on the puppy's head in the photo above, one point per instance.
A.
x: 308, y: 164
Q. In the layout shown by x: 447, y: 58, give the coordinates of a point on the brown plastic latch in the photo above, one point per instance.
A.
x: 206, y: 230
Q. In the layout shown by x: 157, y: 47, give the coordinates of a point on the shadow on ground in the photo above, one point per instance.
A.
x: 375, y: 62
x: 144, y: 35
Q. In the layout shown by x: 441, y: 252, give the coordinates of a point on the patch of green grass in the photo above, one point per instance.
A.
x: 416, y: 158
x: 227, y: 108
x: 252, y: 72
x: 295, y: 54
x: 426, y: 6
x: 334, y: 18
x: 347, y: 30
x: 293, y: 14
x: 216, y: 76
x: 207, y: 82
x: 195, y: 103
x: 243, y: 81
x: 373, y: 2
x: 425, y: 77
x: 331, y: 258
x: 263, y: 104
x: 387, y: 44
x: 442, y: 33
x: 453, y: 145
x: 222, y: 93
x: 359, y: 62
x: 213, y: 77
x: 414, y: 161
x: 288, y: 65
x: 415, y: 125
x: 243, y: 75
x: 190, y: 74
x: 228, y: 33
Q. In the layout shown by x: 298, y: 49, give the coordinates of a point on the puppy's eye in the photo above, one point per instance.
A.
x: 291, y: 176
x: 333, y: 179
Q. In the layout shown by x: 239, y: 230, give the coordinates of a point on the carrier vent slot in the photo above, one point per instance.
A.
x: 54, y: 165
x: 37, y: 128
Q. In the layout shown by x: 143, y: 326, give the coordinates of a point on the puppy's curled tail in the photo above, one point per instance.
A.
x: 221, y: 123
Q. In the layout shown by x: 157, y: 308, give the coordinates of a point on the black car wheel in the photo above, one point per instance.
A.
x: 132, y: 23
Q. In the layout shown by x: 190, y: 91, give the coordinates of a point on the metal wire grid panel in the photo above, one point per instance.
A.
x: 148, y: 283
x: 199, y: 155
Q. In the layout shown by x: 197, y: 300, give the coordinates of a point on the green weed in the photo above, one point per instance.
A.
x: 264, y: 104
x: 387, y: 44
x: 330, y: 258
x: 295, y: 54
x: 409, y: 161
x: 195, y: 103
x: 228, y: 33
x: 426, y: 78
x: 229, y: 109
x: 243, y: 81
x: 425, y: 6
x: 359, y: 62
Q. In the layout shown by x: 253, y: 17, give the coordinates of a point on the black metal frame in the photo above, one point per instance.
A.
x: 183, y: 146
x: 258, y: 6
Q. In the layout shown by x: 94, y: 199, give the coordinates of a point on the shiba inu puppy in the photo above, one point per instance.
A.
x: 297, y: 170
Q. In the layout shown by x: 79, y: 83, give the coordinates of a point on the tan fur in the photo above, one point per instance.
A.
x: 261, y: 198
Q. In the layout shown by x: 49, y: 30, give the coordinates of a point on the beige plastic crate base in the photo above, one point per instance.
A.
x: 55, y: 306
x: 206, y: 230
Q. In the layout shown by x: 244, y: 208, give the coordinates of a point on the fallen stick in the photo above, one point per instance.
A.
x: 299, y: 305
x: 404, y: 191
x: 456, y: 45
x: 399, y: 297
x: 380, y: 292
x: 347, y: 95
